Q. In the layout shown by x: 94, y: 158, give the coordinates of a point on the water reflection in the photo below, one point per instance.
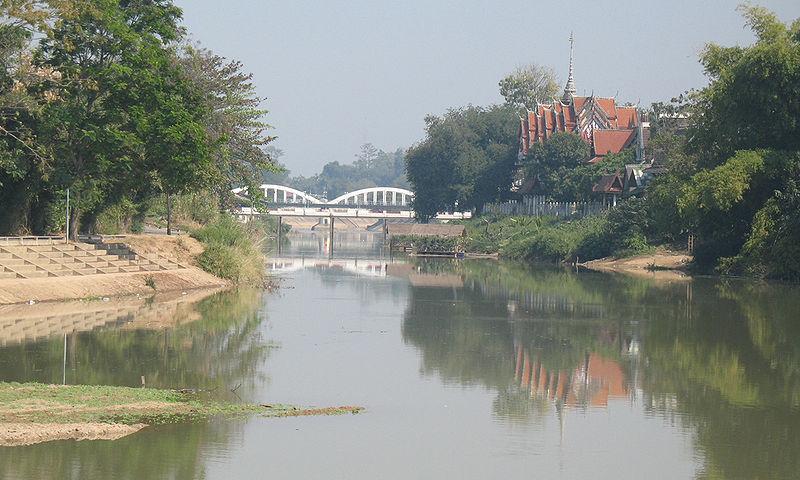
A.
x: 721, y: 357
x: 206, y: 341
x: 173, y: 341
x: 713, y: 365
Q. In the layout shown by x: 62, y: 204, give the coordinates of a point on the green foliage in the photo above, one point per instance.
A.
x: 107, y: 105
x: 721, y: 188
x: 429, y: 244
x: 466, y: 160
x: 116, y: 219
x: 224, y: 231
x: 231, y: 251
x: 526, y: 86
x: 234, y: 121
x: 753, y: 99
x: 548, y: 239
x: 561, y: 167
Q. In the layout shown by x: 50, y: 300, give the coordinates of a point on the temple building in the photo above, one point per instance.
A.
x: 607, y: 126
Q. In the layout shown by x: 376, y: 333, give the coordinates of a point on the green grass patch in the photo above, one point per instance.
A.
x: 231, y: 251
x: 39, y: 403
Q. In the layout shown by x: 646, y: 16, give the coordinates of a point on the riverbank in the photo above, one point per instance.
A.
x: 35, y: 413
x: 660, y: 264
x: 596, y: 243
x: 181, y: 252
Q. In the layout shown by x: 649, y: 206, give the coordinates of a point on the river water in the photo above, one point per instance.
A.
x: 467, y: 369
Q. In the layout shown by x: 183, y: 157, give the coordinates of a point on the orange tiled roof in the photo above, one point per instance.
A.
x: 611, y: 141
x: 626, y: 117
x: 545, y: 120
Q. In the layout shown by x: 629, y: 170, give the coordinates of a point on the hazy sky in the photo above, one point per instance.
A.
x: 338, y: 74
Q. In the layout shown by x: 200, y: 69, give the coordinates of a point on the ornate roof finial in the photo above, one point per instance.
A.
x: 569, y: 89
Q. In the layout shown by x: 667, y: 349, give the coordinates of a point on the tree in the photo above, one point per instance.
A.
x: 746, y: 138
x: 23, y: 159
x: 234, y: 122
x: 527, y: 85
x: 753, y: 99
x: 125, y: 119
x: 466, y: 160
x: 554, y: 162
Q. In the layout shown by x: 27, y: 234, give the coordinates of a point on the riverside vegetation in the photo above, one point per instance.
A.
x: 731, y: 153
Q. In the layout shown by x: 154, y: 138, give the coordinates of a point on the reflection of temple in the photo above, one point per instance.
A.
x: 591, y: 383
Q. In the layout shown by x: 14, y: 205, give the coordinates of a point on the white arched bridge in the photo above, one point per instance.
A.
x: 373, y: 202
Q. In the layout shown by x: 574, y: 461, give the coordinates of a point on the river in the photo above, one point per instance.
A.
x: 467, y: 369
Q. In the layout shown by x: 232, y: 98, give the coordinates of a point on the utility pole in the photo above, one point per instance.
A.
x: 66, y: 232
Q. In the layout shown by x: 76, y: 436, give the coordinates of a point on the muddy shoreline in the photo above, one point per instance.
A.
x: 33, y: 413
x: 661, y: 264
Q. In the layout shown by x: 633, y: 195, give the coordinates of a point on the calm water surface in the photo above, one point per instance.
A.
x: 471, y: 369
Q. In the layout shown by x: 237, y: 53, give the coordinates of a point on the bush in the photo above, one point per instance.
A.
x: 221, y: 261
x: 231, y: 251
x: 224, y: 231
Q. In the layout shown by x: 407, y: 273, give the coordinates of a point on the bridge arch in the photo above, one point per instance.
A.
x: 283, y: 194
x: 376, y: 196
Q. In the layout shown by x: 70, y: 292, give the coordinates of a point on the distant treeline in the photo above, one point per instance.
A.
x: 372, y: 168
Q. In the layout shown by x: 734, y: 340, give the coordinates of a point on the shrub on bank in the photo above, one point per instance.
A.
x: 553, y: 240
x: 231, y: 251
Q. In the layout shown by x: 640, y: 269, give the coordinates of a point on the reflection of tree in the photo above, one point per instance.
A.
x: 222, y: 348
x: 504, y: 330
x: 173, y: 451
x: 732, y: 367
x: 723, y: 358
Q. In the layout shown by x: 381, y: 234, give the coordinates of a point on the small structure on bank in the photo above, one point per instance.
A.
x: 427, y: 239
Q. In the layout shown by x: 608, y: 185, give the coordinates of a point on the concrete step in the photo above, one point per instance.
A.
x: 41, y: 248
x: 65, y: 273
x: 24, y: 268
x: 4, y: 275
x: 86, y: 271
x: 120, y: 263
x: 110, y: 269
x: 10, y: 262
x: 131, y: 269
x: 64, y: 248
x: 35, y: 274
x: 5, y: 255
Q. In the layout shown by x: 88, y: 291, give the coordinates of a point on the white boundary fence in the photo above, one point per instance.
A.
x: 540, y: 207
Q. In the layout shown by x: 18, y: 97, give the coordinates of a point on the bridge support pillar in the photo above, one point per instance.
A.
x: 330, y: 239
x: 280, y: 232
